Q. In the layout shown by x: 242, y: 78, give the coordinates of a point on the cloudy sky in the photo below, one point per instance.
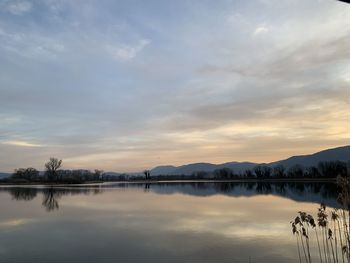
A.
x: 127, y: 85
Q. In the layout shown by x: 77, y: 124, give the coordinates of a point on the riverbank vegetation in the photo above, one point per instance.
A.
x: 54, y: 173
x: 324, y: 170
x: 329, y: 232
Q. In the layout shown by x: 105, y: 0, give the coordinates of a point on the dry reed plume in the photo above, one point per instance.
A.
x: 330, y: 231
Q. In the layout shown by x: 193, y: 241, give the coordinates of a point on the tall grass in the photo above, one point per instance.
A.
x: 330, y: 231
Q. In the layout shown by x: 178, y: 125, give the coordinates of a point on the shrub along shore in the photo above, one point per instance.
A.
x: 54, y: 174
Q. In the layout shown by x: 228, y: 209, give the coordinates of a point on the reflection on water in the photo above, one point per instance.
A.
x: 51, y: 195
x: 157, y: 222
x: 305, y: 192
x: 50, y: 200
x: 25, y: 194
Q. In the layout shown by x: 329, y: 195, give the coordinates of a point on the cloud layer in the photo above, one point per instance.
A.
x: 128, y: 85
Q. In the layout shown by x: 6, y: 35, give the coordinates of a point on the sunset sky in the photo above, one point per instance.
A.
x: 128, y: 85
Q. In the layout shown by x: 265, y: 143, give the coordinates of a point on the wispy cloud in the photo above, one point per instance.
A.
x: 17, y: 7
x: 120, y: 86
x: 261, y: 29
x: 30, y: 45
x: 20, y: 143
x: 124, y: 52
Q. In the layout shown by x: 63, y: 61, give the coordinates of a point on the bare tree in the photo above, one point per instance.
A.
x: 279, y: 170
x: 98, y: 174
x: 223, y: 173
x: 262, y: 171
x: 248, y: 174
x: 51, y: 168
x: 26, y: 173
x: 147, y: 174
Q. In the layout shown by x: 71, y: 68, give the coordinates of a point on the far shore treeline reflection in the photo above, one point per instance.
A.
x: 50, y: 195
x: 55, y: 174
x: 316, y: 192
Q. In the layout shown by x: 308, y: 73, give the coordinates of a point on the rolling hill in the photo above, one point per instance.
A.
x: 335, y: 154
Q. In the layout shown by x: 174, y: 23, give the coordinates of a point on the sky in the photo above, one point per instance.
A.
x: 129, y: 85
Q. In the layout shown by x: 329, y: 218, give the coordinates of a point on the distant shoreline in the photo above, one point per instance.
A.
x: 253, y: 180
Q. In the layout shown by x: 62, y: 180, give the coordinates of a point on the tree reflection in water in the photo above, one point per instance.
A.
x: 51, y: 195
x: 316, y: 192
x: 23, y: 194
x: 50, y: 199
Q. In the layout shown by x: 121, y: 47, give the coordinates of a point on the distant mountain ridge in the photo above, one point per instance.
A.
x: 334, y: 154
x: 4, y: 175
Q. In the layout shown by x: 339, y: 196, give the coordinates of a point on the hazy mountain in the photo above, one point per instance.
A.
x: 239, y: 167
x: 195, y: 167
x: 340, y: 153
x: 199, y: 167
x: 163, y: 169
x: 335, y: 154
x: 4, y: 175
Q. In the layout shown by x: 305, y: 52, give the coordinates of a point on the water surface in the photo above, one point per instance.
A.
x: 168, y: 222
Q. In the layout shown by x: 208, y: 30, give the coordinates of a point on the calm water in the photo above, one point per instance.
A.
x: 174, y: 222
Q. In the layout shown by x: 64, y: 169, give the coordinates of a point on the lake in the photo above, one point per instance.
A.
x: 158, y: 222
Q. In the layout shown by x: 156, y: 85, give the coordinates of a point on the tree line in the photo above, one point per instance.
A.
x: 54, y: 174
x: 324, y: 169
